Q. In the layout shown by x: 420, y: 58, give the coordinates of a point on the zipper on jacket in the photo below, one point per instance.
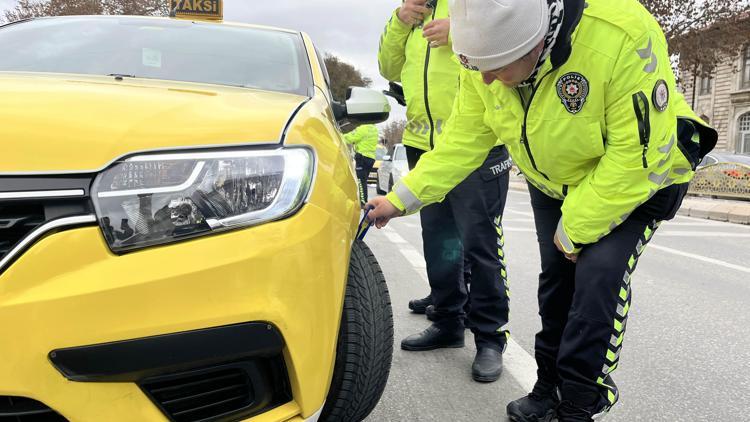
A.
x: 426, y: 90
x: 526, y: 107
x: 641, y: 108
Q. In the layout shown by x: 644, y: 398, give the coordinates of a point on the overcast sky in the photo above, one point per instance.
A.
x: 350, y: 30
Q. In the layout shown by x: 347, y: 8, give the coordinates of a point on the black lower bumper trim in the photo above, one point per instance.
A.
x: 134, y: 360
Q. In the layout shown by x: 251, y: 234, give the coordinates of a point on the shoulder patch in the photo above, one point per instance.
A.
x: 573, y: 90
x: 660, y: 96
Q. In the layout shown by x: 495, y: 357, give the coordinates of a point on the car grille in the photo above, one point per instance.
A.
x: 228, y: 392
x: 21, y: 213
x: 16, y: 221
x: 22, y: 409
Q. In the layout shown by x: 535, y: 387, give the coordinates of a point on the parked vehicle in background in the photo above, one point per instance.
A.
x: 393, y: 168
x: 723, y: 175
x: 721, y: 157
x: 380, y: 152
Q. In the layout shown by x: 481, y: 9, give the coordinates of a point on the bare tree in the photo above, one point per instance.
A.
x: 392, y: 133
x: 702, y: 33
x: 343, y: 75
x: 34, y: 8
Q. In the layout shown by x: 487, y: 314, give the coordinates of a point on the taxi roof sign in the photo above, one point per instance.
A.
x: 197, y: 9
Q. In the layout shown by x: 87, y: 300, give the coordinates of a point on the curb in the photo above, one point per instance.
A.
x: 737, y: 212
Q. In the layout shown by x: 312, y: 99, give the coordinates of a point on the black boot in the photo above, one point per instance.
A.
x: 488, y: 365
x: 567, y: 412
x: 430, y: 313
x: 538, y: 406
x: 434, y: 337
x: 418, y: 306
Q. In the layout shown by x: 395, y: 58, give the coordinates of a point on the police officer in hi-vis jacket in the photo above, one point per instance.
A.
x: 583, y: 95
x: 462, y: 235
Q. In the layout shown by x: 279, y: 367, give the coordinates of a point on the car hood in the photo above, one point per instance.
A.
x: 64, y: 123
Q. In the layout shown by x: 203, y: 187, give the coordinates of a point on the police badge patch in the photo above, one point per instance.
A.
x: 573, y: 89
x: 660, y: 96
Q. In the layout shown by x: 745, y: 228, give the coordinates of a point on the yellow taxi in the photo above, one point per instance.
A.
x: 178, y: 219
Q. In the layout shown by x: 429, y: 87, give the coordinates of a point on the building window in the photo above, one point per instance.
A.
x: 744, y: 125
x: 706, y: 84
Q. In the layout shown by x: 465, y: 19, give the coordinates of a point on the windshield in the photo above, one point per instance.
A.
x: 158, y: 49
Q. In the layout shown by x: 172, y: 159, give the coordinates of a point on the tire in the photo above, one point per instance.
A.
x: 365, y: 344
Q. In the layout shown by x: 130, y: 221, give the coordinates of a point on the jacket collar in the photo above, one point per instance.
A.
x: 564, y: 45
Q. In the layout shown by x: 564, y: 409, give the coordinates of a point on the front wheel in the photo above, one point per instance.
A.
x: 365, y: 344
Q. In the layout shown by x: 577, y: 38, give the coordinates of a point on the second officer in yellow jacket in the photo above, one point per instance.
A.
x: 462, y: 235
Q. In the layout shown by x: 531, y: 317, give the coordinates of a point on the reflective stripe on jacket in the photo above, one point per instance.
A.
x: 600, y: 132
x: 365, y: 140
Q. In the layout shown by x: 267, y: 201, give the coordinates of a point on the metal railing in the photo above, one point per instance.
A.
x: 723, y: 180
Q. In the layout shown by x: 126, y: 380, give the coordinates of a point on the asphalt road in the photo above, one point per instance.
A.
x: 687, y: 349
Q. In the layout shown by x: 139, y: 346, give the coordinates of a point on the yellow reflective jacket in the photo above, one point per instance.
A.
x: 599, y: 133
x: 429, y: 77
x: 365, y: 140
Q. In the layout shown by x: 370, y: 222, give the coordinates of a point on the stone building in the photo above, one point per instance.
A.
x: 723, y: 99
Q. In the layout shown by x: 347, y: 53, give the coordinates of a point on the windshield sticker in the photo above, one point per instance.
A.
x: 151, y: 57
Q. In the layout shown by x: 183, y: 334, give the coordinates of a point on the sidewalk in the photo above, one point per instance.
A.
x: 693, y: 206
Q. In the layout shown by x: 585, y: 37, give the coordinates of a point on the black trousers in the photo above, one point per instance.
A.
x: 584, y: 306
x: 466, y: 230
x: 363, y: 168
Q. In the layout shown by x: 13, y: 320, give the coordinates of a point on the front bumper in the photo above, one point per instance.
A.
x: 69, y: 290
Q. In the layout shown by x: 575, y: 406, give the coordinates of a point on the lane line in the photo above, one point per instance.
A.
x: 413, y: 256
x: 701, y: 258
x: 520, y: 364
x: 393, y: 236
x: 677, y: 223
x: 527, y: 214
x: 708, y: 234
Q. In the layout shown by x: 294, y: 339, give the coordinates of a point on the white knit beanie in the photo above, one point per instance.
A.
x: 490, y: 34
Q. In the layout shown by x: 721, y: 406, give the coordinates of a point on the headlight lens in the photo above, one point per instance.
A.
x: 153, y: 199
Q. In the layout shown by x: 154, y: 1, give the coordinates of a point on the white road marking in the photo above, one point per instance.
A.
x: 517, y: 220
x: 715, y: 224
x: 676, y: 233
x: 527, y: 214
x: 516, y: 361
x: 413, y: 256
x: 393, y: 236
x: 700, y: 258
x: 515, y: 229
x: 520, y: 364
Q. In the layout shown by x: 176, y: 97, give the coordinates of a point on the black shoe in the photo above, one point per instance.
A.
x: 538, y: 406
x: 433, y: 338
x: 488, y: 365
x: 567, y: 412
x: 430, y: 313
x: 418, y: 306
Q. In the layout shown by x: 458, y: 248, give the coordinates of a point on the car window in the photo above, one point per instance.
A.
x: 380, y: 153
x: 400, y: 154
x: 158, y: 49
x: 707, y: 160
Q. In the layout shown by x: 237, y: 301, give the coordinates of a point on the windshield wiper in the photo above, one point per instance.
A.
x: 120, y: 76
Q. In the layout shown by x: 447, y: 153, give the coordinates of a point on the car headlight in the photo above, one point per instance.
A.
x: 147, y: 200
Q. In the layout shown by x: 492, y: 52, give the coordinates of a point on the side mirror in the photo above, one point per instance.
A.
x: 363, y: 106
